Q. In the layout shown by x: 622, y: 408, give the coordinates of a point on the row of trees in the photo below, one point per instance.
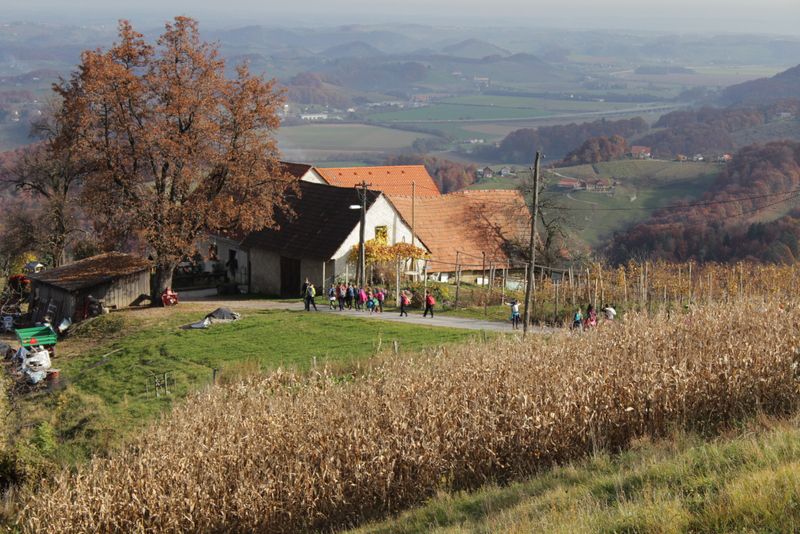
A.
x: 597, y: 149
x: 149, y: 146
x: 520, y: 146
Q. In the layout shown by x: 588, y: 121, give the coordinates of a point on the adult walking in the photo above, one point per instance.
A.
x: 342, y: 295
x: 349, y: 296
x: 361, y: 299
x: 311, y: 292
x: 515, y: 316
x: 404, y: 302
x: 380, y: 295
x: 430, y: 302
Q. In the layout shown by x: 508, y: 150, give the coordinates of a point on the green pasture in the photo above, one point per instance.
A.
x: 345, y: 137
x: 111, y: 364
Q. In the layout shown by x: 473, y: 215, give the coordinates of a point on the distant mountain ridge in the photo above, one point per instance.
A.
x: 354, y: 49
x: 475, y: 49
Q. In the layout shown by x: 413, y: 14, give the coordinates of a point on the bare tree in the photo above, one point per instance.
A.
x: 52, y: 171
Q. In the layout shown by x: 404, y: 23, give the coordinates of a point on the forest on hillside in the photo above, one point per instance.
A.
x: 723, y: 225
x: 555, y: 141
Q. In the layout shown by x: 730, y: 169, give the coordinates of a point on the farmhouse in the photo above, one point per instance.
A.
x: 570, y: 183
x: 602, y: 185
x: 119, y: 280
x: 640, y: 152
x: 229, y: 256
x: 458, y: 228
x: 315, y: 241
x: 390, y: 179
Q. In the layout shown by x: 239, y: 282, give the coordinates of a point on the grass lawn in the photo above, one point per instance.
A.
x: 747, y: 481
x: 108, y: 397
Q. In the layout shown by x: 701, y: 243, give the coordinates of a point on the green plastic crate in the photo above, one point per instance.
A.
x: 36, y: 336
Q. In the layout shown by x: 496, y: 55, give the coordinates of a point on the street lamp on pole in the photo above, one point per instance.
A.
x: 362, y: 257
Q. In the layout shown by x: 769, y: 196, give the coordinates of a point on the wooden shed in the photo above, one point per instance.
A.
x: 119, y: 280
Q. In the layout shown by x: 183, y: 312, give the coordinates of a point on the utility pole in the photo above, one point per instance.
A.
x: 362, y: 254
x: 413, y: 210
x: 532, y: 251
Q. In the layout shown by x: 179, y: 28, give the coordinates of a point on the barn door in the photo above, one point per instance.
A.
x: 290, y: 277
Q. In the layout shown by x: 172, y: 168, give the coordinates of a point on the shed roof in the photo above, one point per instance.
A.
x: 468, y: 222
x: 93, y: 271
x: 390, y: 179
x: 320, y: 222
x: 297, y: 170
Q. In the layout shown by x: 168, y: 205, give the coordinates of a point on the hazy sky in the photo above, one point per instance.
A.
x: 759, y: 16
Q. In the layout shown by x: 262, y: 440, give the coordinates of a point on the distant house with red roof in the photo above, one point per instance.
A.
x: 389, y: 179
x: 641, y: 152
x: 570, y: 183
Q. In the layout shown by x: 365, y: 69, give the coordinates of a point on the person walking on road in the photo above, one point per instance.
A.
x: 361, y: 299
x: 577, y: 320
x: 430, y: 302
x: 311, y: 292
x: 380, y: 295
x: 515, y: 317
x: 332, y: 297
x: 342, y: 294
x: 349, y: 296
x: 404, y: 302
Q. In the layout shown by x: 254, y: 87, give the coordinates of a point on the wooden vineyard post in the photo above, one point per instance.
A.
x: 588, y: 286
x: 458, y: 277
x: 555, y: 315
x: 625, y: 287
x: 572, y: 286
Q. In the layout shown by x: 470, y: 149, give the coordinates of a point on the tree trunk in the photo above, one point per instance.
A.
x: 161, y: 280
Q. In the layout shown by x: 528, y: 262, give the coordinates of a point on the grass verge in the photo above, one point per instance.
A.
x: 745, y: 481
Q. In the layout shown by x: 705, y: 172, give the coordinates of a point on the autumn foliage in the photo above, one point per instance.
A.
x: 179, y: 149
x: 597, y: 149
x: 520, y: 146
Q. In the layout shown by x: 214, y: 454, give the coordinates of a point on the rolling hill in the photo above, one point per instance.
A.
x: 783, y: 85
x: 475, y: 49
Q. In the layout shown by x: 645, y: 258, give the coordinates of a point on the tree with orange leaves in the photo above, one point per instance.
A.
x: 180, y: 150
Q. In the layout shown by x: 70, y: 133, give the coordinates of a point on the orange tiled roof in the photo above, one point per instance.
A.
x: 469, y: 222
x: 390, y: 179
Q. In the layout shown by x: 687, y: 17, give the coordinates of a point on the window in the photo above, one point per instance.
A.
x: 382, y: 234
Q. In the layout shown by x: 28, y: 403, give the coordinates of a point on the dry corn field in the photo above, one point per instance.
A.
x: 286, y: 453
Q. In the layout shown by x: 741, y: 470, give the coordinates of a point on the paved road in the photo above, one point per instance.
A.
x: 414, y: 316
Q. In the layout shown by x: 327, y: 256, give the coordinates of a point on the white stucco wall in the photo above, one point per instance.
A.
x: 381, y: 213
x: 313, y: 176
x: 265, y: 265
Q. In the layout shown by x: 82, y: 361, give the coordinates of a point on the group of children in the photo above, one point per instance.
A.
x: 589, y: 321
x: 343, y: 296
x: 347, y: 296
